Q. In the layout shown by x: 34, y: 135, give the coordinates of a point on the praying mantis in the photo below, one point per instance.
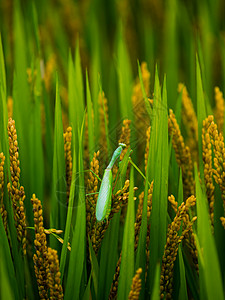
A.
x: 103, y: 206
x: 104, y: 200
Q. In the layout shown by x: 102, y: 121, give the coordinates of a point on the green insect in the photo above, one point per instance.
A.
x: 103, y: 206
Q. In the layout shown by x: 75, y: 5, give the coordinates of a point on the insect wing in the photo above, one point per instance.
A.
x: 104, y: 196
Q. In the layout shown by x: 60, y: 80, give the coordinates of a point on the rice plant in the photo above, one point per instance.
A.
x: 82, y: 82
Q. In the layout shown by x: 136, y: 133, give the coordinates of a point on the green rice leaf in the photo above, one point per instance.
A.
x: 90, y: 116
x: 127, y: 260
x: 108, y: 258
x: 201, y: 114
x: 105, y: 119
x: 210, y: 273
x: 58, y: 200
x: 69, y: 214
x: 87, y: 293
x: 8, y: 277
x: 147, y: 104
x: 78, y: 247
x: 141, y: 250
x: 156, y: 286
x: 183, y: 286
x: 124, y: 77
x: 36, y: 155
x: 95, y: 267
x: 158, y: 171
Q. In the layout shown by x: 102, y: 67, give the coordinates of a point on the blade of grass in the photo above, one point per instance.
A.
x: 36, y: 155
x: 79, y: 87
x: 158, y: 171
x: 94, y: 266
x: 183, y: 286
x: 147, y: 104
x: 127, y: 260
x: 124, y: 77
x: 69, y: 214
x: 156, y: 286
x: 108, y: 258
x: 209, y: 273
x: 171, y: 50
x: 6, y: 288
x: 105, y: 119
x: 21, y: 101
x: 58, y: 199
x: 201, y: 114
x: 9, y: 267
x: 87, y: 293
x: 77, y: 255
x: 90, y: 116
x: 141, y: 250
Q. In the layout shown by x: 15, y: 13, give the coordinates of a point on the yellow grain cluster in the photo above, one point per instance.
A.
x: 142, y: 120
x: 215, y: 139
x: 190, y: 243
x: 190, y: 121
x: 189, y: 239
x: 68, y: 159
x: 120, y: 199
x: 92, y: 189
x: 114, y: 286
x: 148, y: 131
x: 208, y: 130
x: 183, y: 155
x: 103, y: 123
x: 137, y: 224
x: 173, y: 202
x: 3, y: 211
x: 219, y: 109
x: 136, y: 286
x: 54, y: 276
x: 86, y: 145
x: 16, y: 191
x: 40, y: 258
x: 171, y: 248
x: 125, y: 137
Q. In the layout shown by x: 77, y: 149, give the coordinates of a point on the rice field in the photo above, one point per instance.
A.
x: 138, y: 82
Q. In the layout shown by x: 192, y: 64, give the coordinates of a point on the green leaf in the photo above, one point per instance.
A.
x: 36, y: 154
x: 58, y: 199
x: 209, y: 272
x: 201, y: 114
x: 147, y: 104
x: 87, y: 292
x: 141, y: 250
x: 108, y: 258
x: 183, y: 287
x: 8, y: 277
x: 78, y: 247
x: 105, y: 118
x: 90, y: 116
x: 156, y: 286
x: 127, y: 260
x: 158, y: 171
x: 124, y: 77
x: 69, y: 213
x: 95, y: 267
